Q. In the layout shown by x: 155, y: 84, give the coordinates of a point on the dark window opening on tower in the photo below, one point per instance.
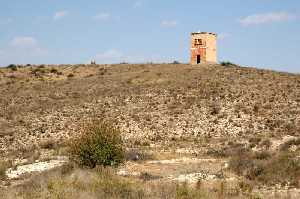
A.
x: 198, y: 59
x: 198, y: 42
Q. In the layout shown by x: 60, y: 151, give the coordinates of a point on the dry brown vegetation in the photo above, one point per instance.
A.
x: 3, y: 167
x: 69, y: 183
x: 269, y: 169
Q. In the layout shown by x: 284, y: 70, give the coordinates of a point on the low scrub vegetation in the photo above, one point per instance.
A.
x: 175, y: 62
x: 13, y: 67
x: 3, y: 167
x: 71, y: 75
x: 48, y: 144
x: 293, y: 142
x: 270, y: 169
x: 227, y: 63
x: 99, y: 144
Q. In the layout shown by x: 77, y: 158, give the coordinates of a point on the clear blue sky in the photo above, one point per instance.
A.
x: 260, y: 33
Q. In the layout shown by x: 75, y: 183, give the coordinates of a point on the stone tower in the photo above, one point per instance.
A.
x: 203, y: 47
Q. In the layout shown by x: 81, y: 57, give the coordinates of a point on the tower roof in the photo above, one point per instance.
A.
x: 203, y: 33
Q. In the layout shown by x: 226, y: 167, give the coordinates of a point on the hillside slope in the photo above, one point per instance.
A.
x: 153, y: 104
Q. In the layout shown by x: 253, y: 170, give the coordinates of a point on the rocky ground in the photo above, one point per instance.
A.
x: 186, y: 117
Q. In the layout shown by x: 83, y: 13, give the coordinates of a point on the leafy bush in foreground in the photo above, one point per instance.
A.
x: 99, y: 144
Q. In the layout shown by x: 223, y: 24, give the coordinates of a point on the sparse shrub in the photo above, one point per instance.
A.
x: 282, y: 168
x: 215, y: 108
x: 175, y: 62
x: 218, y: 153
x: 67, y: 168
x: 242, y: 163
x: 256, y: 108
x: 291, y: 128
x: 99, y: 144
x: 145, y: 176
x: 34, y: 156
x: 48, y: 144
x: 38, y: 71
x: 263, y: 155
x: 186, y: 192
x: 231, y: 150
x: 3, y: 167
x: 29, y: 151
x: 227, y: 63
x: 136, y: 155
x: 114, y: 187
x: 266, y: 144
x: 71, y: 75
x: 221, y: 191
x: 285, y: 146
x: 13, y: 67
x: 246, y: 186
x: 102, y: 71
x: 255, y: 140
x: 54, y: 70
x: 132, y: 155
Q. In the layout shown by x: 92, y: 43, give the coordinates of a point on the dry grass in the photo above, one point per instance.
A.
x: 2, y: 172
x: 3, y: 167
x: 270, y: 169
x: 103, y: 183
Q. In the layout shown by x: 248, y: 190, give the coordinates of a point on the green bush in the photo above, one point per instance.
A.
x: 175, y: 62
x: 13, y: 67
x: 99, y: 144
x: 227, y: 63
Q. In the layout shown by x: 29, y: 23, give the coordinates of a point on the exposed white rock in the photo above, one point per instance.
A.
x: 34, y: 167
x: 193, y: 177
x: 181, y: 160
x: 127, y: 173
